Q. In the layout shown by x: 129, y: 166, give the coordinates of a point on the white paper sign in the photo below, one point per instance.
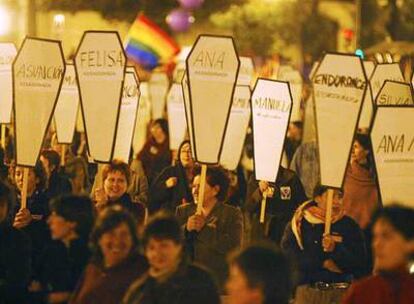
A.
x: 212, y: 69
x: 271, y: 108
x: 144, y: 118
x: 187, y: 108
x: 38, y: 74
x: 339, y: 86
x: 382, y: 72
x: 368, y: 103
x: 127, y: 116
x: 393, y: 144
x: 67, y: 107
x: 177, y: 124
x: 158, y: 88
x: 100, y: 65
x: 287, y: 73
x: 236, y: 128
x: 395, y: 93
x: 246, y: 71
x: 7, y: 54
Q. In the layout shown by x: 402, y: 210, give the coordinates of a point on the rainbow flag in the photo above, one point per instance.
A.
x: 148, y: 45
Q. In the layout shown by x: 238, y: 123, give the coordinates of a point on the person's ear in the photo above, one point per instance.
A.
x: 216, y: 190
x: 410, y: 247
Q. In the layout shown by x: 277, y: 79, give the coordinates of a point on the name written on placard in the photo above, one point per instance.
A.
x: 97, y: 58
x: 340, y: 81
x: 396, y: 144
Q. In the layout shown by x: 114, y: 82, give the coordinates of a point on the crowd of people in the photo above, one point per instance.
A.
x: 132, y: 233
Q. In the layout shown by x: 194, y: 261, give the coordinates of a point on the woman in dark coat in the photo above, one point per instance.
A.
x: 116, y: 178
x: 14, y: 254
x: 170, y: 279
x: 115, y: 263
x: 173, y: 186
x: 32, y: 219
x: 156, y: 154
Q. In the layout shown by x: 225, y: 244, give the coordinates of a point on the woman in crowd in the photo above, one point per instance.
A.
x: 172, y: 187
x: 115, y: 263
x: 32, y: 219
x: 138, y: 188
x: 170, y: 279
x: 211, y: 235
x: 116, y: 178
x: 57, y: 182
x: 14, y: 254
x: 156, y: 155
x: 393, y: 246
x: 360, y: 190
x: 259, y: 275
x: 77, y: 171
x: 65, y: 258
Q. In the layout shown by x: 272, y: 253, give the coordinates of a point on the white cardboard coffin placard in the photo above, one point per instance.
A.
x: 127, y: 116
x: 100, y: 65
x: 158, y: 89
x: 177, y: 124
x: 246, y: 71
x: 212, y: 69
x: 67, y: 107
x: 395, y: 93
x: 187, y: 108
x: 339, y: 86
x: 287, y: 73
x: 393, y: 145
x: 144, y: 118
x: 7, y: 54
x: 271, y: 108
x: 236, y: 128
x: 37, y: 77
x: 368, y: 103
x: 382, y: 72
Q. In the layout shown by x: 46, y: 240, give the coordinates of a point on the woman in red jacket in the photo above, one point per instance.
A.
x: 393, y: 245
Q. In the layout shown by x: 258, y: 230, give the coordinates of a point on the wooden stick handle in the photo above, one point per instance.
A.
x: 63, y: 156
x: 201, y: 190
x: 23, y: 203
x: 328, y: 215
x: 263, y: 207
x: 3, y: 136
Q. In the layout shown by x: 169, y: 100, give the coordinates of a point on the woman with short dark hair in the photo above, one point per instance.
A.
x: 259, y: 275
x: 170, y: 279
x: 116, y: 178
x: 64, y: 260
x: 115, y: 262
x: 393, y: 247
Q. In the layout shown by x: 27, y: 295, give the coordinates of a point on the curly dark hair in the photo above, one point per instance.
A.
x: 117, y: 165
x: 109, y: 219
x: 216, y: 176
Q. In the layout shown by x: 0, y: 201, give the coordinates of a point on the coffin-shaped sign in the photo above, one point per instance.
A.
x: 382, y: 72
x: 158, y: 88
x: 67, y: 107
x: 367, y: 105
x: 395, y: 93
x: 271, y: 108
x: 37, y: 78
x: 144, y: 118
x: 7, y: 54
x: 287, y: 73
x: 187, y: 108
x: 339, y: 86
x: 177, y: 124
x: 392, y: 139
x: 212, y: 69
x: 236, y: 128
x: 246, y: 71
x: 100, y: 65
x: 127, y: 116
